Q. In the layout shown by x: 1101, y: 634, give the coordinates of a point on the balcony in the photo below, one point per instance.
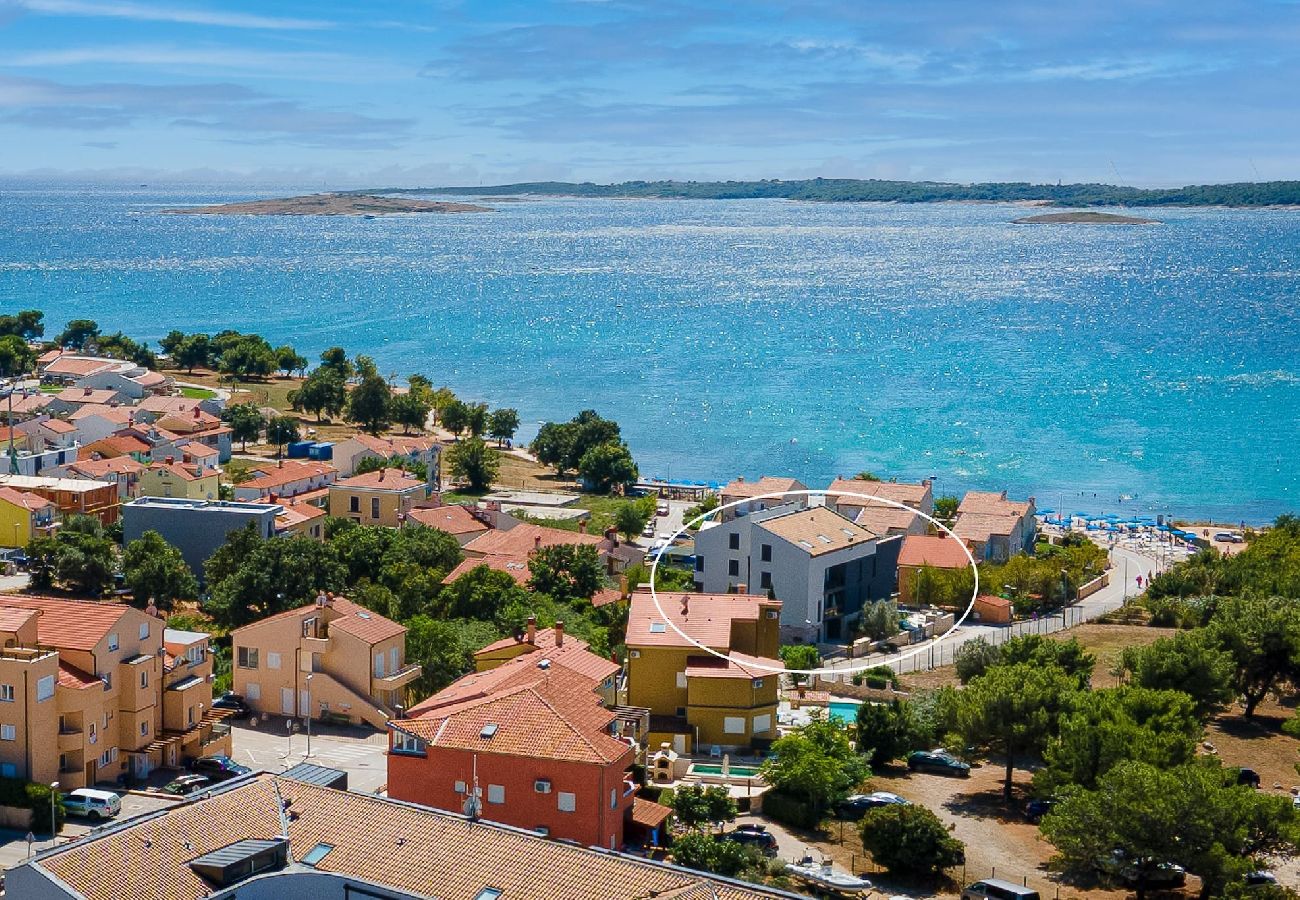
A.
x: 315, y: 644
x: 402, y: 677
x: 70, y: 738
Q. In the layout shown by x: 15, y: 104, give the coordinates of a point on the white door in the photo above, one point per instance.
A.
x: 286, y: 701
x: 679, y: 744
x: 304, y: 703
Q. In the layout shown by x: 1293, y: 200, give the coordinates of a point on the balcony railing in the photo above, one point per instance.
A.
x: 405, y: 675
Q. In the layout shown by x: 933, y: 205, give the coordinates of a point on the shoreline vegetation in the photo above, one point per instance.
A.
x: 349, y: 204
x: 1082, y: 218
x: 1241, y: 194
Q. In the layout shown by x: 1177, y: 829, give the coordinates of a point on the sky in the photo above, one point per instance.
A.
x: 438, y: 92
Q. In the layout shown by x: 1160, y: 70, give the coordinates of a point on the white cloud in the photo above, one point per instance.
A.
x: 143, y: 12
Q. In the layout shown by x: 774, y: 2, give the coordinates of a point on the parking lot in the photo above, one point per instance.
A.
x: 270, y: 747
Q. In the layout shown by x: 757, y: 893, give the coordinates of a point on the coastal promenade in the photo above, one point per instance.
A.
x: 941, y: 653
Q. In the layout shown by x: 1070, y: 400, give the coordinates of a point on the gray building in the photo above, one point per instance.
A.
x: 820, y: 565
x: 195, y: 527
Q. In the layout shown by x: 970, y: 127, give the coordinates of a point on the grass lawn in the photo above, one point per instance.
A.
x: 197, y: 393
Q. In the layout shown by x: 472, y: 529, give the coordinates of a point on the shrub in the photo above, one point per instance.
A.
x: 974, y: 657
x: 708, y: 854
x: 789, y: 810
x: 36, y: 797
x: 910, y: 839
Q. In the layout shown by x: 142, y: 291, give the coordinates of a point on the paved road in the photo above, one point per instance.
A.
x: 13, y: 844
x: 360, y: 753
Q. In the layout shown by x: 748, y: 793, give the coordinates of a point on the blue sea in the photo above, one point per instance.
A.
x: 1078, y: 364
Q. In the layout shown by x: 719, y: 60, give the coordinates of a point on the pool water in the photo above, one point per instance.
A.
x: 845, y: 711
x: 738, y: 771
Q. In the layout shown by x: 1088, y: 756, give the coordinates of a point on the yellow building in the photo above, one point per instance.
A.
x: 329, y: 658
x: 90, y: 692
x: 552, y: 645
x: 23, y: 516
x: 697, y: 700
x: 183, y: 480
x: 383, y: 497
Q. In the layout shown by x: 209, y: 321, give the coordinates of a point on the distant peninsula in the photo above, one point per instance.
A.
x: 330, y: 205
x: 1243, y: 194
x: 1082, y: 218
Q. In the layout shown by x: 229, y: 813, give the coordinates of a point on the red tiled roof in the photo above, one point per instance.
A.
x: 276, y: 476
x: 369, y: 626
x: 24, y: 499
x: 98, y: 468
x: 180, y: 470
x: 514, y: 566
x: 451, y: 519
x: 521, y: 540
x: 394, y: 480
x: 994, y: 601
x: 72, y: 677
x: 58, y: 426
x: 202, y: 451
x: 705, y: 617
x: 85, y: 395
x: 735, y: 665
x: 606, y: 596
x: 13, y: 618
x: 74, y: 365
x: 121, y: 415
x: 70, y: 624
x: 911, y: 494
x: 765, y: 485
x: 939, y: 551
x: 116, y: 445
x: 572, y: 655
x: 649, y: 814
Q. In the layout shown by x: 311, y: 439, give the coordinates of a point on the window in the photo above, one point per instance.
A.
x: 144, y: 678
x: 758, y: 683
x: 7, y: 693
x: 93, y: 734
x: 733, y: 567
x: 699, y: 563
x: 762, y: 723
x: 194, y: 654
x: 613, y: 798
x: 392, y: 660
x: 112, y: 641
x: 144, y: 631
x: 8, y: 770
x: 8, y: 732
x: 681, y: 679
x: 733, y: 725
x: 658, y: 628
x: 733, y: 540
x: 765, y: 580
x: 408, y: 743
x: 252, y: 690
x: 354, y: 504
x: 459, y: 787
x: 566, y: 801
x: 496, y: 793
x: 144, y: 728
x: 248, y: 657
x: 379, y: 664
x: 189, y: 715
x: 316, y: 854
x: 272, y: 660
x: 374, y: 507
x: 491, y: 893
x: 108, y: 680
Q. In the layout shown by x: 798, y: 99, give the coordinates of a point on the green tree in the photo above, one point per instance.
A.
x: 590, y: 430
x: 1069, y: 656
x: 28, y: 324
x: 172, y: 341
x: 404, y: 463
x: 866, y: 476
x: 77, y: 333
x: 365, y: 367
x: 800, y: 656
x: 553, y: 444
x: 289, y: 360
x: 1190, y: 661
x: 945, y: 509
x: 194, y: 350
x: 444, y: 649
x: 281, y: 430
x: 16, y: 358
x: 705, y: 853
x: 880, y: 620
x: 815, y: 764
x: 474, y: 462
x: 630, y: 519
x: 410, y: 410
x: 245, y: 421
x: 155, y: 570
x: 481, y: 593
x: 566, y: 571
x: 1102, y: 728
x: 278, y: 575
x: 502, y: 424
x: 606, y: 466
x: 223, y: 562
x: 250, y: 357
x: 361, y: 549
x: 476, y: 419
x: 322, y: 392
x: 1262, y: 634
x: 910, y: 840
x: 368, y: 404
x: 698, y: 807
x: 886, y: 731
x: 79, y: 556
x: 1013, y: 709
x: 441, y: 399
x: 336, y: 359
x: 455, y: 417
x: 975, y: 657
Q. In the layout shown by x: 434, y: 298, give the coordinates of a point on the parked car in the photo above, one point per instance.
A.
x: 999, y: 889
x: 939, y: 761
x: 648, y: 531
x: 218, y: 768
x: 661, y: 509
x: 232, y: 701
x: 1255, y: 879
x: 187, y: 784
x: 1036, y: 809
x: 1158, y: 875
x: 855, y: 806
x: 753, y: 836
x: 92, y: 804
x: 1248, y: 776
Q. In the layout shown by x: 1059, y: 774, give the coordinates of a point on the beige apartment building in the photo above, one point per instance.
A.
x: 90, y: 692
x: 383, y: 497
x: 328, y: 659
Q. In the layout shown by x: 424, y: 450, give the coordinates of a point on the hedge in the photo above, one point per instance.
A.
x: 29, y: 795
x: 790, y: 810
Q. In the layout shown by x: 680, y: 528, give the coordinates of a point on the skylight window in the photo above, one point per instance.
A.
x: 488, y: 730
x: 823, y: 538
x: 316, y: 854
x: 847, y: 533
x: 489, y: 893
x: 805, y: 545
x: 658, y: 627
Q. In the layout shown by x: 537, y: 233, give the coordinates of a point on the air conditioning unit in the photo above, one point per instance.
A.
x: 542, y: 786
x: 636, y: 654
x: 771, y: 614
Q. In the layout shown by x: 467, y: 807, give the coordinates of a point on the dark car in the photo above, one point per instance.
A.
x: 1036, y: 809
x: 856, y: 806
x: 233, y: 702
x: 753, y: 836
x: 218, y: 768
x: 1257, y: 879
x: 187, y: 784
x: 939, y: 761
x: 1248, y: 776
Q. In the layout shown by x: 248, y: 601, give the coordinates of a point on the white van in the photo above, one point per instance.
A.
x: 92, y: 804
x: 998, y: 889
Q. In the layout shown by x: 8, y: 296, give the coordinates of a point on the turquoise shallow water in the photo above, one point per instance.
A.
x: 761, y: 337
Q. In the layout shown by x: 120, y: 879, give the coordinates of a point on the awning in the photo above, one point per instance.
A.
x: 649, y: 814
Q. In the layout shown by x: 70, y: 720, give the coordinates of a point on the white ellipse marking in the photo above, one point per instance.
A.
x: 933, y: 642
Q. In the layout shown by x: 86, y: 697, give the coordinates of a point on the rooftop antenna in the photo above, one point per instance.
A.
x: 284, y: 818
x: 473, y: 805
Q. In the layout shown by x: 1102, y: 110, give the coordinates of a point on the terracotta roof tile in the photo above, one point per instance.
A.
x: 706, y: 617
x: 85, y: 395
x: 817, y: 530
x: 736, y: 665
x: 58, y: 426
x: 649, y: 814
x: 394, y: 480
x: 514, y: 566
x: 765, y: 485
x: 12, y: 617
x: 98, y: 468
x: 451, y: 519
x: 911, y: 494
x: 25, y: 499
x: 521, y: 540
x: 356, y: 620
x: 277, y: 476
x: 939, y: 551
x: 70, y: 624
x: 72, y: 677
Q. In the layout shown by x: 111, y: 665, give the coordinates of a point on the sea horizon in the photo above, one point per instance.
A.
x: 1077, y: 364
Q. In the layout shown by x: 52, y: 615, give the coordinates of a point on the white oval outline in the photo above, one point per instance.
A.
x: 933, y: 642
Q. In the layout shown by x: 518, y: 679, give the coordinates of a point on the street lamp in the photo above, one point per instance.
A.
x: 308, y: 753
x: 54, y: 819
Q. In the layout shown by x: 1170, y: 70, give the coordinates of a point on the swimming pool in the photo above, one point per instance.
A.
x: 734, y: 771
x: 845, y: 710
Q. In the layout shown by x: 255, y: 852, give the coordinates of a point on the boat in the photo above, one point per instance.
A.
x: 824, y: 877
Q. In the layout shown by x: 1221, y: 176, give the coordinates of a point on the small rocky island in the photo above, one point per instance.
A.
x: 1082, y: 218
x: 330, y: 205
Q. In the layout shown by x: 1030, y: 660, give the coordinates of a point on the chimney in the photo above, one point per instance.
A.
x: 381, y: 473
x: 622, y: 586
x: 742, y: 588
x: 686, y: 605
x: 740, y: 479
x: 329, y: 598
x: 611, y: 535
x: 559, y: 634
x: 582, y: 526
x: 171, y: 460
x: 537, y: 542
x: 532, y: 629
x: 196, y: 412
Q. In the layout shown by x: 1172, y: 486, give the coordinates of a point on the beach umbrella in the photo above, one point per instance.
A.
x: 1046, y: 511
